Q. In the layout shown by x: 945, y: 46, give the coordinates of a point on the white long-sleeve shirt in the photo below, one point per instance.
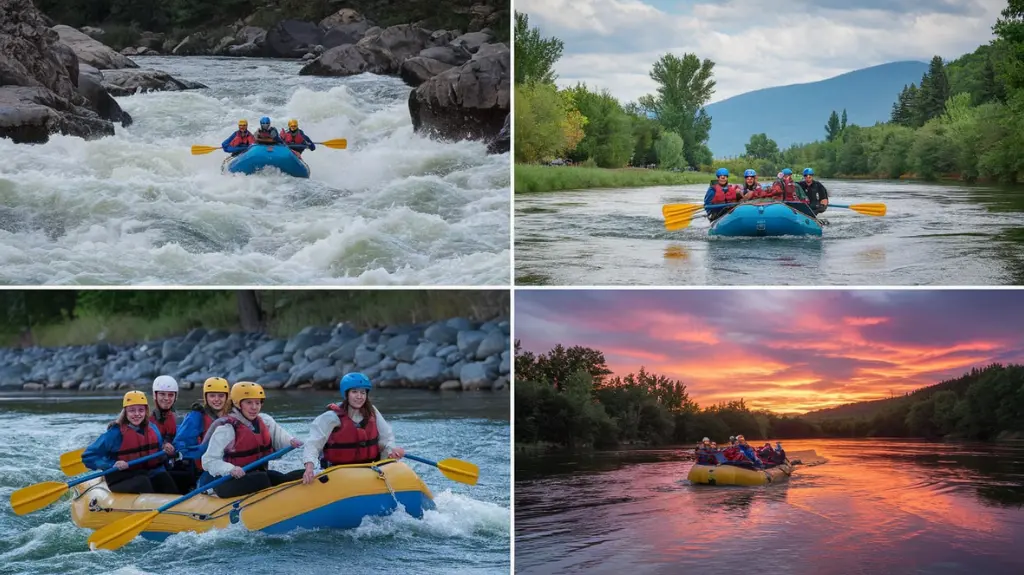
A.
x: 325, y: 423
x: 224, y: 437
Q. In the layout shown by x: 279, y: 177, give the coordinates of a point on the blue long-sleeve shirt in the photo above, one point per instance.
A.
x: 709, y: 195
x: 188, y: 440
x: 748, y: 451
x: 101, y: 454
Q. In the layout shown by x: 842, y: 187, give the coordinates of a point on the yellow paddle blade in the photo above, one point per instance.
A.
x: 120, y: 532
x: 679, y: 216
x: 876, y: 210
x: 458, y: 470
x: 35, y: 497
x: 200, y: 150
x: 338, y: 144
x: 71, y: 462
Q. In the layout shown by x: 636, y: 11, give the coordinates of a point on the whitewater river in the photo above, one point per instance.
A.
x: 940, y: 234
x: 876, y: 506
x: 138, y: 208
x: 469, y: 532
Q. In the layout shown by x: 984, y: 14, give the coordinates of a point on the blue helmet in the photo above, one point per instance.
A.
x: 264, y: 121
x: 354, y: 380
x: 808, y: 172
x: 722, y: 172
x: 749, y: 174
x: 787, y: 172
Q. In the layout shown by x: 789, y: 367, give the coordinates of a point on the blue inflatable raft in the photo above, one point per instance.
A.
x: 261, y: 156
x: 767, y: 219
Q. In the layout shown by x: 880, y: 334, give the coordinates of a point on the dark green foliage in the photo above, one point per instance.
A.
x: 608, y: 135
x: 535, y: 56
x: 832, y: 128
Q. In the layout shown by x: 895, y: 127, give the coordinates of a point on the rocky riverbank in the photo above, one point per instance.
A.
x: 65, y: 83
x: 457, y: 354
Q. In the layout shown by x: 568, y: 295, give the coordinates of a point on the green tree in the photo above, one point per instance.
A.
x: 685, y: 85
x: 842, y: 123
x: 832, y: 128
x: 1010, y: 28
x: 539, y: 114
x: 934, y: 91
x: 535, y: 56
x: 992, y: 89
x: 608, y: 140
x: 669, y: 150
x: 761, y: 147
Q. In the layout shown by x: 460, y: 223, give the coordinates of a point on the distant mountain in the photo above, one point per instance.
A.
x: 797, y: 113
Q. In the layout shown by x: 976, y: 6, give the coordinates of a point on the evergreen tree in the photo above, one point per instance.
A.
x: 934, y: 91
x: 832, y: 128
x: 842, y: 125
x: 992, y: 89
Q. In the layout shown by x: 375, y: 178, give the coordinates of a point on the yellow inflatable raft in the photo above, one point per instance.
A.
x: 339, y: 498
x: 735, y: 475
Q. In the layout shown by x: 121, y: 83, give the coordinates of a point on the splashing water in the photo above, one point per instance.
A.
x: 138, y: 208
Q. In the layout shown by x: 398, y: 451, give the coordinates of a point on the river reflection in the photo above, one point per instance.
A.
x: 877, y: 506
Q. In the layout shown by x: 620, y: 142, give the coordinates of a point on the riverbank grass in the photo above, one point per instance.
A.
x: 532, y: 179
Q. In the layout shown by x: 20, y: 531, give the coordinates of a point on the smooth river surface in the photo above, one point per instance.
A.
x: 469, y: 532
x: 933, y: 234
x: 137, y: 208
x: 876, y: 506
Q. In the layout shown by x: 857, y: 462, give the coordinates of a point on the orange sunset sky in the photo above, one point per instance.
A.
x: 783, y: 350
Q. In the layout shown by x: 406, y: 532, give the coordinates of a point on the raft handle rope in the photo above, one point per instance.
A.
x: 237, y: 505
x: 381, y: 475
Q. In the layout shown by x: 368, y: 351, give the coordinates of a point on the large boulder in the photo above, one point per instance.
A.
x: 251, y: 35
x: 343, y: 16
x: 93, y: 88
x: 418, y: 70
x: 91, y: 51
x: 501, y: 144
x: 346, y: 26
x: 474, y: 40
x: 192, y: 45
x: 466, y: 102
x: 451, y: 55
x: 242, y: 50
x: 402, y: 41
x: 40, y: 80
x: 349, y: 60
x: 292, y: 39
x: 127, y: 82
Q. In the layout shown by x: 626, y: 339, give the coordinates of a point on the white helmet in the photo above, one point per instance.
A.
x: 165, y: 383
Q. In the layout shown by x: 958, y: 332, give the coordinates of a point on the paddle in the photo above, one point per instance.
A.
x: 337, y: 144
x: 35, y: 497
x: 876, y: 210
x: 120, y: 532
x: 71, y: 463
x: 678, y: 216
x: 454, y: 469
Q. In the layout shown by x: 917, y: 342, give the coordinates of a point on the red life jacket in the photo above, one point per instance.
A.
x: 730, y: 194
x: 240, y: 138
x: 293, y: 138
x: 248, y: 446
x: 756, y: 191
x: 207, y: 422
x: 733, y: 453
x: 168, y: 427
x: 349, y: 443
x: 787, y: 191
x: 135, y: 445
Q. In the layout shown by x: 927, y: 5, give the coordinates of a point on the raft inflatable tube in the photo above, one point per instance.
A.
x: 259, y: 157
x: 737, y: 475
x: 761, y: 218
x: 339, y: 498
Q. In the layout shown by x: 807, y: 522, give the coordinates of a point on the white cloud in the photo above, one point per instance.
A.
x: 613, y: 43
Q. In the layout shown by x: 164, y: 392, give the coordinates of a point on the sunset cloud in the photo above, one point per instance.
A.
x: 788, y: 350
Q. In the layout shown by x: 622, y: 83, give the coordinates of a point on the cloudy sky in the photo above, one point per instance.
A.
x: 788, y: 350
x: 613, y: 43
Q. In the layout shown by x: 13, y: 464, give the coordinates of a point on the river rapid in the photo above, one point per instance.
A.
x: 877, y: 506
x: 469, y: 532
x: 933, y: 234
x: 137, y: 208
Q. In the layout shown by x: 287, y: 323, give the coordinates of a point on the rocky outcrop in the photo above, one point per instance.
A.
x: 127, y: 82
x: 418, y: 70
x: 502, y: 143
x: 457, y: 354
x: 91, y: 51
x: 92, y: 86
x: 345, y: 26
x: 292, y: 39
x: 470, y: 101
x: 40, y: 87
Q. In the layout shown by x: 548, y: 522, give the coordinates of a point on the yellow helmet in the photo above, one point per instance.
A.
x: 134, y: 398
x: 216, y: 385
x: 243, y: 124
x: 293, y: 124
x: 246, y: 390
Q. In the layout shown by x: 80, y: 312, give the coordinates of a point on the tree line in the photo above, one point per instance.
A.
x: 669, y: 128
x: 964, y: 119
x: 568, y: 397
x: 21, y: 311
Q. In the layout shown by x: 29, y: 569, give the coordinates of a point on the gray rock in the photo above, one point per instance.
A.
x: 350, y: 60
x: 92, y: 52
x: 469, y: 341
x: 493, y: 344
x: 441, y: 334
x: 291, y: 39
x: 452, y: 55
x: 474, y: 376
x: 251, y: 35
x: 128, y: 82
x: 451, y: 385
x: 367, y: 358
x: 31, y: 387
x: 459, y: 324
x: 424, y: 349
x: 273, y: 380
x: 305, y: 372
x: 272, y: 347
x: 499, y: 384
x: 11, y: 376
x: 504, y: 367
x: 426, y: 371
x: 318, y: 351
x: 327, y: 376
x: 247, y: 50
x: 347, y: 351
x: 418, y: 70
x: 447, y: 350
x: 472, y: 41
x: 306, y: 338
x: 192, y: 45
